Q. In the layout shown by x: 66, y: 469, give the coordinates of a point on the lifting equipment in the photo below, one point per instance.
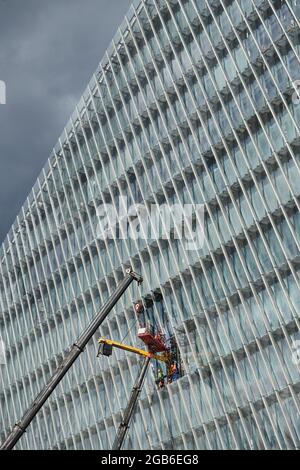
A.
x: 156, y: 343
x: 106, y: 346
x: 68, y: 361
x: 124, y: 425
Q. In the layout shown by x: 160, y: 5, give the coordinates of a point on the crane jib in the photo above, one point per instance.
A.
x: 77, y: 348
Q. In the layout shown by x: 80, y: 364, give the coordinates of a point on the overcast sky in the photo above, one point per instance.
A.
x: 49, y: 50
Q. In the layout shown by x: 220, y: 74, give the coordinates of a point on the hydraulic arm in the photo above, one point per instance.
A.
x: 69, y: 360
x: 141, y: 352
x: 105, y: 349
x: 121, y: 434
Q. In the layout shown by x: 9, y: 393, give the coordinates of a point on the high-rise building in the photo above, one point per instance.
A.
x: 194, y: 103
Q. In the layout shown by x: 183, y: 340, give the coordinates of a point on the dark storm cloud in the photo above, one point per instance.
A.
x: 48, y: 52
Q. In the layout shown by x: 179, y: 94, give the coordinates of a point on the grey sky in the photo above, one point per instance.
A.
x: 48, y: 52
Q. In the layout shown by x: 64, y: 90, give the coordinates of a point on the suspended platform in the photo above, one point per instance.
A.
x: 154, y: 342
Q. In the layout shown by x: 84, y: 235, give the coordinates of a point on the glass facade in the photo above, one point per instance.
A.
x: 193, y: 103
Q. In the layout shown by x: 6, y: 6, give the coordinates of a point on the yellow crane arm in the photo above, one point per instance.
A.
x: 141, y: 352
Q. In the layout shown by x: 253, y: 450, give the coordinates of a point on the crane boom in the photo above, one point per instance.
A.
x: 68, y: 361
x: 124, y: 425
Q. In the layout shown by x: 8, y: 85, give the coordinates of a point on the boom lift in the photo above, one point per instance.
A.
x: 105, y: 349
x: 124, y: 425
x: 155, y: 343
x: 106, y: 346
x: 75, y: 351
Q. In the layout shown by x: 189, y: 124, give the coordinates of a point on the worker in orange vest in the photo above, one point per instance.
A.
x: 170, y: 372
x: 174, y: 372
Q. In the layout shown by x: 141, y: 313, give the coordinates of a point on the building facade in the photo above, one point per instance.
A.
x: 195, y: 102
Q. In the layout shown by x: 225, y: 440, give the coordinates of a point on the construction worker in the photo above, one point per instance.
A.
x: 174, y: 372
x: 169, y: 372
x: 160, y: 378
